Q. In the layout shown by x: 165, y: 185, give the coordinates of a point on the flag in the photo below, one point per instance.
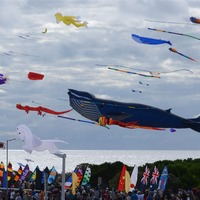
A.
x: 79, y: 174
x: 127, y: 181
x: 86, y: 176
x: 52, y: 175
x: 24, y: 173
x: 163, y: 179
x: 4, y: 184
x: 2, y: 169
x: 144, y: 180
x: 18, y: 174
x: 134, y: 178
x: 10, y: 171
x: 121, y: 184
x: 68, y: 182
x: 38, y: 179
x: 154, y: 178
x: 33, y: 176
x: 45, y: 171
x: 74, y: 182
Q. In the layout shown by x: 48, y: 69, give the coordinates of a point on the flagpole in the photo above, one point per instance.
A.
x: 45, y: 186
x: 7, y: 141
x: 63, y: 156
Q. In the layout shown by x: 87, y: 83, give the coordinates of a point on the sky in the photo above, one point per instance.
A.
x: 70, y: 58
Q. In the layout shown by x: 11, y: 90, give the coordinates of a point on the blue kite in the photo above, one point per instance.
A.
x: 127, y: 115
x: 151, y: 41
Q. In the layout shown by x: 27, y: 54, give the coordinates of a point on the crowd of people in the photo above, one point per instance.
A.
x: 97, y: 193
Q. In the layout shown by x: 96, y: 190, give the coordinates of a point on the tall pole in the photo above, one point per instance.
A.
x: 7, y: 168
x: 63, y: 177
x: 63, y: 156
x: 7, y: 141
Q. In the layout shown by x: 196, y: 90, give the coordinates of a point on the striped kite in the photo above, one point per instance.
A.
x: 175, y: 51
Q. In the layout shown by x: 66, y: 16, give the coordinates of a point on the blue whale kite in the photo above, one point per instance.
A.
x: 127, y: 115
x: 151, y: 41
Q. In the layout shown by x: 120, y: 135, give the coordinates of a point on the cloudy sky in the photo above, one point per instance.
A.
x: 67, y: 56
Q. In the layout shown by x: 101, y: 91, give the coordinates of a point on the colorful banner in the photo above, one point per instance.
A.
x: 52, y: 175
x: 163, y: 179
x: 134, y: 178
x: 24, y: 173
x: 121, y: 184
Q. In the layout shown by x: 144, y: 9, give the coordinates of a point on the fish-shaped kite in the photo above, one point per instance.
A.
x: 175, y: 51
x: 127, y: 115
x: 68, y: 20
x: 151, y: 41
x: 40, y: 110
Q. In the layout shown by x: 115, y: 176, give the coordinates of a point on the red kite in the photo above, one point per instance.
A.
x: 35, y: 76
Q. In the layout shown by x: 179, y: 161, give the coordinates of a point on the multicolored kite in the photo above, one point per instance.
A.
x: 127, y: 115
x: 175, y: 51
x: 129, y: 72
x: 152, y: 73
x: 195, y: 20
x: 182, y: 34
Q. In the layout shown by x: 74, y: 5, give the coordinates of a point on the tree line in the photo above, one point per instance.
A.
x: 183, y: 174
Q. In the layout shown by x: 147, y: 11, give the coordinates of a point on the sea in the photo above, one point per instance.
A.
x: 44, y: 159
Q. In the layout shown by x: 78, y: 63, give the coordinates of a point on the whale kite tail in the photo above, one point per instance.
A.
x: 194, y: 123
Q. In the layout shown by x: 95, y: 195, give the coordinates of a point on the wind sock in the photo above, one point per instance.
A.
x: 134, y: 178
x: 163, y: 179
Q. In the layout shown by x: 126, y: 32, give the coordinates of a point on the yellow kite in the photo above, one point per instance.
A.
x: 68, y: 20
